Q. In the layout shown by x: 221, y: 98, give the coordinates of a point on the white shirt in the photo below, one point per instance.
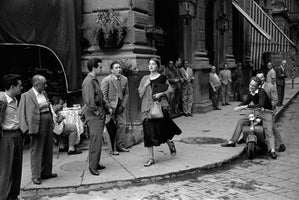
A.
x: 10, y: 120
x: 40, y: 98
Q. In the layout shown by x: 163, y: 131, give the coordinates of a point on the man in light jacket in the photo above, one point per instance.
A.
x: 226, y: 80
x: 116, y: 93
x: 36, y: 120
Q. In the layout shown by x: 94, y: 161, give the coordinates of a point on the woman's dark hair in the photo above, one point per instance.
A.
x: 93, y: 62
x: 156, y: 61
x: 113, y: 63
x: 10, y: 80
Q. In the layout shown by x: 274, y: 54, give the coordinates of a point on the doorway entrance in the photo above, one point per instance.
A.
x: 166, y: 17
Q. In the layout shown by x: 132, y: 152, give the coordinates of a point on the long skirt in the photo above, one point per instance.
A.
x: 158, y: 131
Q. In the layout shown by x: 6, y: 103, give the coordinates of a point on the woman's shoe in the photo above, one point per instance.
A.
x: 150, y: 162
x: 114, y: 153
x: 172, y: 149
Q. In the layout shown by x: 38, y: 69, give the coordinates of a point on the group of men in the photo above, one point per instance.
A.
x: 33, y: 116
x: 220, y: 85
x: 265, y: 94
x: 181, y: 77
x: 102, y: 103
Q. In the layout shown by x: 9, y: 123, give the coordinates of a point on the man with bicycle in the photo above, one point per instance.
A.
x: 261, y: 101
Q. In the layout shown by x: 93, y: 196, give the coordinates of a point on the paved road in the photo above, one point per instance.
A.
x: 261, y: 178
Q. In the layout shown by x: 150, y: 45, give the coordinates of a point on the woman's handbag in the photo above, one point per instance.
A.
x: 155, y: 111
x: 58, y: 128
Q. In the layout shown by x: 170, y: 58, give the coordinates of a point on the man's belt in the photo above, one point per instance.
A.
x: 12, y: 131
x: 45, y: 112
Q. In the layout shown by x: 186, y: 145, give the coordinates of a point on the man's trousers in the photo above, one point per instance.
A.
x: 41, y: 155
x: 96, y: 128
x: 11, y: 154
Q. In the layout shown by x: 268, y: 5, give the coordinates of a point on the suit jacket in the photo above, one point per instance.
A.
x: 271, y: 92
x: 109, y: 87
x: 280, y: 76
x: 29, y: 112
x: 214, y: 82
x: 225, y: 77
x: 3, y: 106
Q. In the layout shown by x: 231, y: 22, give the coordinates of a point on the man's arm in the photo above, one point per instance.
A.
x: 105, y: 91
x: 22, y: 114
x: 88, y: 94
x: 273, y: 77
x: 126, y: 94
x: 262, y: 100
x: 211, y: 84
x: 247, y: 101
x: 274, y: 96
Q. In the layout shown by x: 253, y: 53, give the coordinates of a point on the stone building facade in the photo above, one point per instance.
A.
x: 204, y: 32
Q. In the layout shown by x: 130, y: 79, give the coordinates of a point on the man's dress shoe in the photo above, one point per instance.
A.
x: 273, y: 155
x: 49, y: 176
x: 99, y: 167
x: 94, y: 172
x: 281, y: 148
x: 123, y: 150
x: 74, y: 152
x: 228, y: 144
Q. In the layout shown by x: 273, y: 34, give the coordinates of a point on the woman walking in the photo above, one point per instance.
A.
x: 161, y: 130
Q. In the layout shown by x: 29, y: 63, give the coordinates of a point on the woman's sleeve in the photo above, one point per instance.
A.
x: 141, y: 88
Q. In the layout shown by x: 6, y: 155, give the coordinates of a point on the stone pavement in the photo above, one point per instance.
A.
x: 197, y: 148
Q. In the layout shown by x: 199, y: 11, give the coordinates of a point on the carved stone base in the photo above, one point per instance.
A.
x: 202, y: 107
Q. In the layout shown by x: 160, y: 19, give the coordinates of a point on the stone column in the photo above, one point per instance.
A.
x: 135, y: 51
x: 200, y: 66
x: 228, y: 35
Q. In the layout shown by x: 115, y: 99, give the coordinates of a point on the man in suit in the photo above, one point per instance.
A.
x: 36, y: 120
x: 215, y: 88
x: 173, y: 77
x: 94, y: 113
x: 225, y: 79
x: 187, y: 89
x: 238, y: 80
x: 280, y: 81
x: 271, y: 75
x: 116, y: 93
x: 11, y: 145
x: 272, y: 94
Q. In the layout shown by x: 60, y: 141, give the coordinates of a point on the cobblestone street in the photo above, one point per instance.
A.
x: 261, y: 178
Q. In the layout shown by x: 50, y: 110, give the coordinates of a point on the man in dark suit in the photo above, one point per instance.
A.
x: 280, y: 81
x: 11, y: 145
x: 36, y: 120
x: 94, y: 113
x: 116, y: 93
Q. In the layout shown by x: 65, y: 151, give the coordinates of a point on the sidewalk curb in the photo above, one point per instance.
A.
x: 25, y: 193
x: 278, y: 114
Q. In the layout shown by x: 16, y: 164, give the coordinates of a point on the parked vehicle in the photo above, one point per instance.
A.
x: 254, y: 135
